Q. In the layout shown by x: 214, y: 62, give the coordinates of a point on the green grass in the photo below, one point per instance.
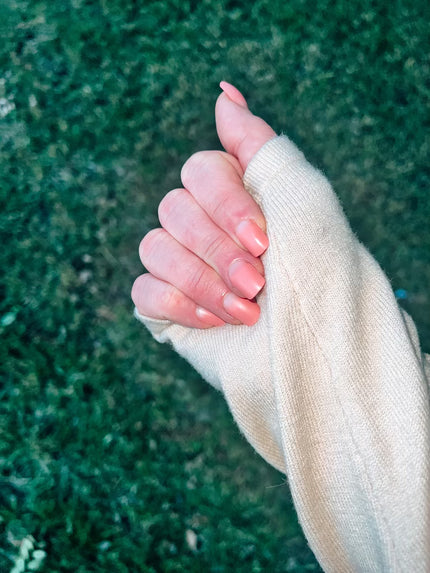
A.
x: 111, y: 447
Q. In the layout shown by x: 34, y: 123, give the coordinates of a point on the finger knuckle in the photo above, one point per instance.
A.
x: 168, y: 299
x: 197, y: 165
x: 192, y: 166
x: 150, y: 243
x: 196, y: 281
x: 169, y: 204
x: 215, y: 245
x: 222, y: 208
x: 138, y: 288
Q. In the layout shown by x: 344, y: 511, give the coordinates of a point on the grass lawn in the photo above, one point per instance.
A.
x: 114, y: 455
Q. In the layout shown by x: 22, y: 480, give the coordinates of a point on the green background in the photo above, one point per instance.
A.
x: 111, y: 447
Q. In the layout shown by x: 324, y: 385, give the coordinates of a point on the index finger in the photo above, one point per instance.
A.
x: 214, y: 179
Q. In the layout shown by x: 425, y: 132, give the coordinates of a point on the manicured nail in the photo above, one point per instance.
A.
x: 252, y: 237
x: 244, y: 310
x: 208, y: 317
x: 245, y: 278
x: 234, y: 94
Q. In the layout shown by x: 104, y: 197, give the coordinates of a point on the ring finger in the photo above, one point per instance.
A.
x: 189, y: 224
x: 157, y: 299
x: 168, y: 260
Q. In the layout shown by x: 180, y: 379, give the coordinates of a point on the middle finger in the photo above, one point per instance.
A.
x: 188, y: 223
x: 214, y: 180
x: 168, y: 260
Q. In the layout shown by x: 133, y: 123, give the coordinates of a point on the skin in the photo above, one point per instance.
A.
x: 204, y: 262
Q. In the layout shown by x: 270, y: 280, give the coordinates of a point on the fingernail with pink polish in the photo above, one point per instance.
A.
x: 208, y: 317
x: 252, y: 237
x: 245, y: 278
x: 233, y: 93
x: 244, y: 310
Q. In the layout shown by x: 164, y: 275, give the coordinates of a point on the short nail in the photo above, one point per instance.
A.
x: 208, y: 317
x: 252, y: 237
x: 245, y: 278
x: 233, y: 93
x: 244, y: 310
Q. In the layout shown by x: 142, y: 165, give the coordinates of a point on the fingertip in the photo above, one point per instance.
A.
x: 252, y: 237
x: 136, y: 290
x: 241, y: 132
x: 246, y: 311
x: 233, y: 94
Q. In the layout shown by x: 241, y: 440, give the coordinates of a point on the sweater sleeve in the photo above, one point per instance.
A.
x: 330, y: 386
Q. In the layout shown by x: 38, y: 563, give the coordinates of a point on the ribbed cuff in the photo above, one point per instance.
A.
x: 154, y: 325
x: 273, y: 157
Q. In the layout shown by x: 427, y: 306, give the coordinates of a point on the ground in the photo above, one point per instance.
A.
x: 114, y: 455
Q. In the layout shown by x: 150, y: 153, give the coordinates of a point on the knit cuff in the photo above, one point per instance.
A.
x: 161, y: 330
x: 272, y: 158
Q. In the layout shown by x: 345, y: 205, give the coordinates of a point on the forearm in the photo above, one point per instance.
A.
x: 329, y: 386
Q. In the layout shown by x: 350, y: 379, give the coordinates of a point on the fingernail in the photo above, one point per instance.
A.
x: 234, y: 94
x: 245, y: 278
x: 208, y: 317
x: 244, y: 310
x: 252, y: 237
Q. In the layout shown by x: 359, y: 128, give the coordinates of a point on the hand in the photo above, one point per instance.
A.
x: 204, y: 266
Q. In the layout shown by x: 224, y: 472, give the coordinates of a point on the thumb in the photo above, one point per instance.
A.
x: 241, y: 132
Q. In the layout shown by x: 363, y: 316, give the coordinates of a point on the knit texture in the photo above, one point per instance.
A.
x: 330, y: 386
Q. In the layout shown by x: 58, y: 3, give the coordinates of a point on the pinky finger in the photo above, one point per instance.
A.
x: 155, y: 298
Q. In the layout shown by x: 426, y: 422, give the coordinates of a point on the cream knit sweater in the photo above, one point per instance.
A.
x: 330, y: 386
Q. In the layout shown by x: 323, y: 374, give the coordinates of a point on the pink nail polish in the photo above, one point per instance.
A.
x: 208, y: 317
x: 234, y: 94
x: 244, y: 310
x: 245, y: 278
x: 252, y: 237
